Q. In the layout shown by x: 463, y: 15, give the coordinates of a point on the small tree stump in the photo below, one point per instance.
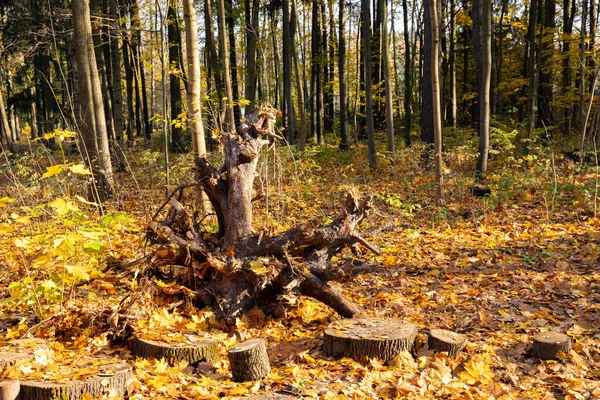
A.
x: 546, y: 345
x: 9, y: 390
x: 194, y: 351
x: 443, y: 340
x: 113, y: 378
x: 249, y: 361
x: 368, y: 337
x: 20, y: 349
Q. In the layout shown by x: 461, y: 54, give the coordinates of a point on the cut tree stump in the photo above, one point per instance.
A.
x: 442, y: 340
x: 9, y: 390
x: 368, y: 337
x: 546, y: 345
x: 20, y: 349
x: 113, y: 378
x: 249, y: 361
x: 194, y: 350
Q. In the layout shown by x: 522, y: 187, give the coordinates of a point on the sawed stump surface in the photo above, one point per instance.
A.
x: 193, y: 351
x: 114, y: 378
x: 444, y: 340
x: 368, y: 337
x: 249, y: 361
x: 546, y: 345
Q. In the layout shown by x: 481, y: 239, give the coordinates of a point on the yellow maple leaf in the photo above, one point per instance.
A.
x: 79, y: 169
x: 54, y: 170
x: 476, y: 370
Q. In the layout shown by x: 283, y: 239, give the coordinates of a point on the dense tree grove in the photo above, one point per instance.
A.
x: 340, y: 72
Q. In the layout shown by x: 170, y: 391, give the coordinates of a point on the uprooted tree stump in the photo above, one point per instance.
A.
x: 193, y: 351
x: 235, y: 269
x: 444, y: 340
x: 358, y: 338
x: 546, y: 345
x: 113, y: 378
x: 249, y: 360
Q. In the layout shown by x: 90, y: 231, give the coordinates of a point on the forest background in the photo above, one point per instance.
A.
x: 473, y: 123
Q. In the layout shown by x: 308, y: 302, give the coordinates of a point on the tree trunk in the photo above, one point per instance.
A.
x: 427, y: 114
x: 117, y: 94
x: 532, y: 70
x: 342, y: 77
x: 212, y: 53
x: 194, y: 100
x: 436, y: 106
x: 452, y: 63
x: 407, y: 77
x: 545, y: 84
x: 173, y: 34
x: 251, y: 43
x: 315, y: 111
x: 288, y: 114
x: 387, y: 79
x: 485, y: 83
x: 230, y: 117
x: 91, y: 107
x: 299, y: 87
x: 229, y: 17
x: 6, y: 132
x: 366, y: 35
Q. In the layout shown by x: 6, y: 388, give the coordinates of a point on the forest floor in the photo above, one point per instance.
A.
x: 498, y: 269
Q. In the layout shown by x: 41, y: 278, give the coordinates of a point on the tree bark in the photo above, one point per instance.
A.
x: 387, y: 79
x: 342, y: 77
x: 94, y: 138
x: 251, y: 43
x: 427, y: 113
x: 173, y: 35
x: 117, y: 94
x: 194, y: 101
x: 229, y: 18
x: 407, y: 76
x: 230, y: 117
x: 437, y: 112
x: 366, y: 36
x: 485, y: 38
x: 288, y: 114
x: 532, y: 69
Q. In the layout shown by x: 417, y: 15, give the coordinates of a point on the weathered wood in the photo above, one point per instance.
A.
x: 9, y: 390
x: 442, y: 340
x: 546, y: 345
x: 230, y: 271
x: 249, y: 361
x: 368, y: 337
x: 114, y: 378
x: 195, y: 350
x: 20, y: 349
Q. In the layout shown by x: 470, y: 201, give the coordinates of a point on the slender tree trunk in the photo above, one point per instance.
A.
x: 407, y: 76
x: 546, y: 85
x: 366, y: 34
x: 94, y: 138
x: 230, y: 117
x: 452, y: 63
x: 229, y: 17
x: 387, y: 79
x: 485, y: 84
x: 582, y: 73
x: 532, y: 70
x: 117, y: 95
x: 173, y: 35
x: 131, y: 133
x: 499, y: 61
x: 6, y: 131
x: 289, y: 117
x: 194, y: 100
x: 437, y: 112
x: 315, y: 111
x: 251, y: 43
x: 299, y: 88
x: 427, y: 113
x: 342, y: 77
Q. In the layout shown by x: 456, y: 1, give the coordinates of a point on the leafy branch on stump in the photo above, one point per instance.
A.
x: 236, y: 269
